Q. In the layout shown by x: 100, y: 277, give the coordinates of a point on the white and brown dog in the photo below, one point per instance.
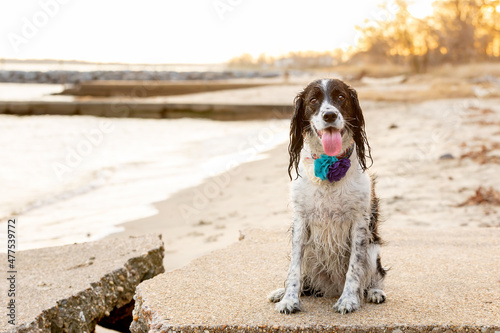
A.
x: 335, y: 242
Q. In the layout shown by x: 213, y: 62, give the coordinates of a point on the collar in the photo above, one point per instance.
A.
x: 331, y: 168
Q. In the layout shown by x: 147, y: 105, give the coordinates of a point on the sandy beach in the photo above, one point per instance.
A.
x: 436, y: 163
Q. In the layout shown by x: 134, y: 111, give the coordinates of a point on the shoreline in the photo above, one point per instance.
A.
x: 198, y: 220
x: 74, y: 194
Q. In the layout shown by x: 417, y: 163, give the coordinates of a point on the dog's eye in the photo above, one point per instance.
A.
x: 313, y: 101
x: 341, y: 98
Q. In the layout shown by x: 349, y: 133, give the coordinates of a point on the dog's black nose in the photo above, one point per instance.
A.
x: 330, y: 116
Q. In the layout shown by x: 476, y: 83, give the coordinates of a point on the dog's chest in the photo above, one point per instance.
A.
x: 336, y: 205
x: 330, y: 218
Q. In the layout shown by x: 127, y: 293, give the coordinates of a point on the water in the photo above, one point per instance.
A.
x: 29, y: 91
x: 87, y: 67
x: 76, y: 178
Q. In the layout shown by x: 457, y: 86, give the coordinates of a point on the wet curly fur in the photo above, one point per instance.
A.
x: 335, y: 240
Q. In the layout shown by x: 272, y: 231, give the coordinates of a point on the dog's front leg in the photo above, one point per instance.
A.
x: 290, y: 302
x: 349, y: 301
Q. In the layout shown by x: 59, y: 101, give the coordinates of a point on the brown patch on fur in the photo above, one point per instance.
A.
x: 375, y: 214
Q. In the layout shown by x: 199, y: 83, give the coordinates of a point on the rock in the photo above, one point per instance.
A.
x: 72, y: 288
x: 43, y: 78
x: 66, y: 76
x: 446, y: 156
x: 4, y: 76
x: 30, y: 76
x: 86, y: 76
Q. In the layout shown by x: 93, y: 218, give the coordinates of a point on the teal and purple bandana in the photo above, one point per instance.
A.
x: 332, y: 168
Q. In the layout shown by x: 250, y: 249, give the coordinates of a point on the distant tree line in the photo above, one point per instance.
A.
x: 299, y: 60
x: 458, y: 31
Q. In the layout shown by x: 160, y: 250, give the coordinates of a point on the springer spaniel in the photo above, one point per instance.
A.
x: 335, y: 242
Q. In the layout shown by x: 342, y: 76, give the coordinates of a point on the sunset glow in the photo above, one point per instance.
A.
x: 155, y: 31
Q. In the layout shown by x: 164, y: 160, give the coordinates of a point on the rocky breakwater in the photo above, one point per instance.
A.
x: 65, y: 76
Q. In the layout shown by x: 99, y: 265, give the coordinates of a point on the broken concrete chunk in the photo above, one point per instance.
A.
x: 72, y: 288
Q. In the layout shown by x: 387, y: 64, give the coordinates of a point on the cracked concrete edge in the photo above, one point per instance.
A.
x: 82, y: 311
x: 145, y: 320
x: 146, y: 323
x: 142, y: 315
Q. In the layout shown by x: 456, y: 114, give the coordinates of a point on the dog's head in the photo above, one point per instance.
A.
x: 328, y: 111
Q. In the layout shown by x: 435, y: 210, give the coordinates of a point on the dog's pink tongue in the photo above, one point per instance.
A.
x: 332, y: 142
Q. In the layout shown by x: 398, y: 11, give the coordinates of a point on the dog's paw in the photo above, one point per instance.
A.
x: 346, y: 304
x: 288, y: 305
x: 376, y: 296
x: 276, y: 295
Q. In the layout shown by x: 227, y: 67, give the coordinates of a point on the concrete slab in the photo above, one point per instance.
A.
x: 119, y: 108
x: 4, y: 106
x: 71, y: 288
x: 228, y: 111
x: 19, y: 108
x: 440, y: 280
x: 139, y: 89
x: 92, y: 108
x: 54, y: 108
x: 147, y: 110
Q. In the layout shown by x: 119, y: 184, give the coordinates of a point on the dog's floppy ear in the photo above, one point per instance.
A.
x: 363, y: 149
x: 297, y: 127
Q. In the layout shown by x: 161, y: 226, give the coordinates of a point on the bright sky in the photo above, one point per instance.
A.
x: 179, y: 31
